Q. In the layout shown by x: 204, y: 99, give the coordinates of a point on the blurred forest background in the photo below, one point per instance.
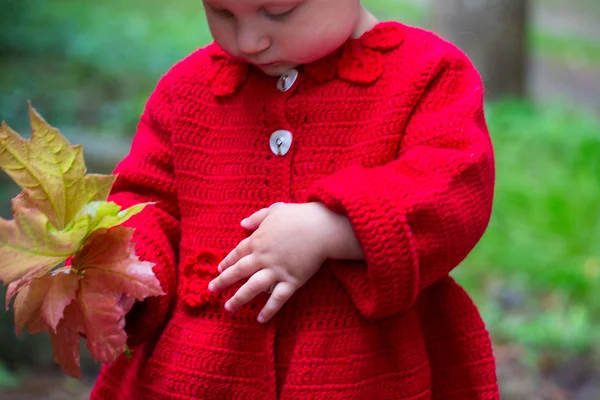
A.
x: 89, y: 66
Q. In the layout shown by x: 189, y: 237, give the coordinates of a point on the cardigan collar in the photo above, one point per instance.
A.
x: 359, y: 61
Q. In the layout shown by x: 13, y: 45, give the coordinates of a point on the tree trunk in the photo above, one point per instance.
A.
x: 493, y: 33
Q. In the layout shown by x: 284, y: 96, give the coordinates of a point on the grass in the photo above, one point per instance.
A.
x: 586, y: 7
x: 537, y: 269
x: 584, y: 52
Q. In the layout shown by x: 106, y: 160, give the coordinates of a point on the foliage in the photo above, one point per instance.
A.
x: 536, y: 271
x: 7, y: 378
x: 63, y: 212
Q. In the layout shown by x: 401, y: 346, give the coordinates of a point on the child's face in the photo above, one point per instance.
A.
x: 276, y: 35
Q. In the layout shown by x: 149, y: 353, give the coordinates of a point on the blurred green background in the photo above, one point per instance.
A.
x: 89, y: 67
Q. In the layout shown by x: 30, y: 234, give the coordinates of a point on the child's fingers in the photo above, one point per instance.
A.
x: 241, y: 250
x: 253, y: 222
x: 282, y: 293
x: 258, y: 283
x: 244, y: 268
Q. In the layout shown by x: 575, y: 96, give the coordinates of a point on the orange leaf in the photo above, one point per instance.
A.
x: 29, y: 301
x: 108, y: 259
x: 63, y: 291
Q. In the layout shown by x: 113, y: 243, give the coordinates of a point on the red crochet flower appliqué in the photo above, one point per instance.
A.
x: 228, y: 76
x: 197, y: 272
x: 325, y: 69
x: 359, y: 64
x: 360, y: 60
x: 386, y: 36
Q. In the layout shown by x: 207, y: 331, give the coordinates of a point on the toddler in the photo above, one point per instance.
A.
x: 316, y: 176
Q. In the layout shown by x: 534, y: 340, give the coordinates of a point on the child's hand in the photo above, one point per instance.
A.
x: 289, y: 245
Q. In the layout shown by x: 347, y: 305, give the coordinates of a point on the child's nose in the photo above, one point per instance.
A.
x: 251, y: 43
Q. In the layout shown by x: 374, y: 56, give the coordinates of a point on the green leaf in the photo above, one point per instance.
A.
x: 105, y: 214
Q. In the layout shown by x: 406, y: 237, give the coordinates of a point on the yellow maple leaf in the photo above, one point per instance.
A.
x: 51, y: 172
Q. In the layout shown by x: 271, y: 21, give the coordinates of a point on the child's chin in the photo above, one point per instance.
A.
x: 276, y: 69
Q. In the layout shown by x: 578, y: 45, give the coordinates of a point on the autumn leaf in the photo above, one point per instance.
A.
x: 111, y: 269
x: 104, y: 322
x: 66, y: 339
x: 108, y: 260
x: 62, y: 213
x: 63, y: 291
x: 45, y: 297
x: 60, y: 205
x: 48, y: 300
x: 51, y: 172
x: 91, y: 297
x: 30, y: 246
x: 28, y: 304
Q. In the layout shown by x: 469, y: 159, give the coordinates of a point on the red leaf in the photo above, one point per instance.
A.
x: 90, y: 298
x: 15, y: 287
x: 108, y: 259
x: 103, y: 320
x: 66, y: 341
x: 73, y: 318
x: 114, y: 278
x: 63, y: 291
x: 11, y: 291
x: 37, y: 324
x: 127, y: 303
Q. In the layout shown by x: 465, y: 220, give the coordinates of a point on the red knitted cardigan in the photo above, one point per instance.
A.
x: 390, y: 131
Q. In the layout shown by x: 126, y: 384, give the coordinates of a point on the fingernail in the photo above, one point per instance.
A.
x: 211, y: 286
x: 228, y: 306
x: 244, y: 221
x: 260, y: 319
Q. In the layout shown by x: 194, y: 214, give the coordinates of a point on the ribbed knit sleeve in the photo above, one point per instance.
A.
x: 419, y: 216
x: 146, y: 175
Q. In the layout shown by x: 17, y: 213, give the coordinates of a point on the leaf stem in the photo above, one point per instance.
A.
x: 128, y: 352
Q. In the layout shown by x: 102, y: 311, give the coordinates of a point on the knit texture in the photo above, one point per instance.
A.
x: 389, y: 130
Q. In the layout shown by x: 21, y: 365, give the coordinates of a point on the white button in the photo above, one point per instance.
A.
x: 280, y: 142
x: 287, y: 80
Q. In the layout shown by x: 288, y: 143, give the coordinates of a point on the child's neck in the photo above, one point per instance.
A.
x: 366, y: 22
